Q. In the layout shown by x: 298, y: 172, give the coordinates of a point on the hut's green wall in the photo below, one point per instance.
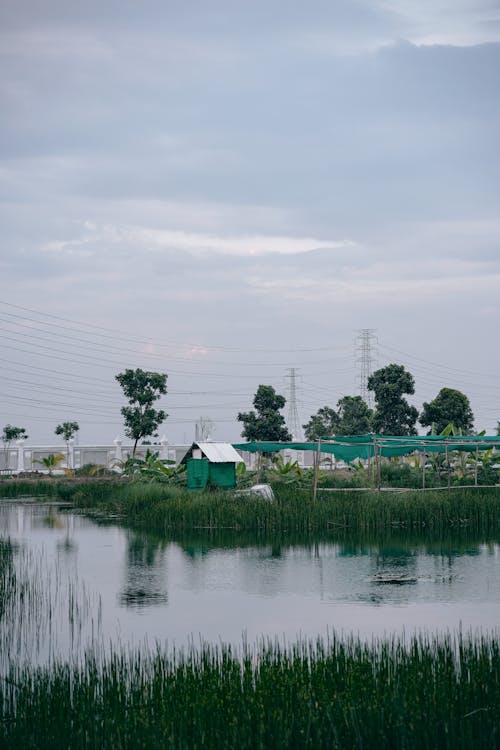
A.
x: 197, y: 473
x: 200, y: 471
x: 223, y: 475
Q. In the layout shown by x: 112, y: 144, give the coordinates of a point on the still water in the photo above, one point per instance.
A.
x: 139, y: 588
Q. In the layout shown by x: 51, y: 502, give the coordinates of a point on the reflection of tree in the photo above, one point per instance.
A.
x: 145, y: 576
x: 395, y: 560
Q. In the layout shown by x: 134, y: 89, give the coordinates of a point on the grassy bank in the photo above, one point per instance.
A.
x: 341, y: 695
x: 161, y: 506
x: 156, y: 505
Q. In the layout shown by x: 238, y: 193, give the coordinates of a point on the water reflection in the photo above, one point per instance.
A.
x: 220, y: 585
x: 145, y: 572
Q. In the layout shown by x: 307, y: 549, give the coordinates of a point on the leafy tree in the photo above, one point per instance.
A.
x: 498, y: 428
x: 266, y: 423
x: 325, y: 422
x: 142, y: 388
x: 9, y: 434
x: 449, y: 406
x: 68, y: 431
x: 355, y: 416
x: 393, y: 414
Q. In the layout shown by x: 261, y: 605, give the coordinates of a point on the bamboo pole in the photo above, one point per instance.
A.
x: 448, y: 462
x: 377, y: 462
x: 423, y: 472
x: 316, y: 469
x: 475, y: 466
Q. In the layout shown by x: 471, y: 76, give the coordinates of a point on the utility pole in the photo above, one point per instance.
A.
x: 292, y: 420
x: 365, y: 356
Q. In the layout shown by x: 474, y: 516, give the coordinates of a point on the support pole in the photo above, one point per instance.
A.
x: 475, y: 465
x: 377, y: 463
x: 316, y: 469
x: 423, y: 471
x: 448, y: 462
x: 259, y: 466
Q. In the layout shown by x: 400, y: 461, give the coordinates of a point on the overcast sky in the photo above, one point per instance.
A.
x: 224, y: 190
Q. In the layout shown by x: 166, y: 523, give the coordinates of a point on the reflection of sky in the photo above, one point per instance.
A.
x: 162, y: 592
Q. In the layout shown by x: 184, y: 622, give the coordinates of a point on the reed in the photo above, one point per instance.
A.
x: 294, y: 511
x: 10, y: 488
x: 42, y: 605
x: 342, y: 693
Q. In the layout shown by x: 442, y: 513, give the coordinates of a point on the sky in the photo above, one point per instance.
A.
x: 224, y: 191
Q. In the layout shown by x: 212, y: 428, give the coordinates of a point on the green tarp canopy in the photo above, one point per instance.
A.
x: 349, y: 448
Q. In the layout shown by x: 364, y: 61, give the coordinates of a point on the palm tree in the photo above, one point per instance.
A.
x: 51, y: 461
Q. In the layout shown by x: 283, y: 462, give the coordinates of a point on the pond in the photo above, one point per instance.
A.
x: 131, y: 588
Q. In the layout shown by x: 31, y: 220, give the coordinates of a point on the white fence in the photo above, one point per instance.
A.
x: 20, y: 457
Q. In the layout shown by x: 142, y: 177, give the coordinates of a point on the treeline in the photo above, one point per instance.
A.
x: 393, y: 415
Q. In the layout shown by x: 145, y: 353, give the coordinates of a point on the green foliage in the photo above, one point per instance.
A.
x: 67, y: 430
x: 421, y: 692
x: 92, y: 470
x: 355, y: 416
x: 51, y: 462
x: 449, y: 406
x: 266, y: 423
x: 286, y: 470
x: 324, y: 423
x: 11, y: 433
x: 142, y: 388
x: 157, y: 505
x: 343, y: 693
x: 150, y: 467
x: 393, y: 414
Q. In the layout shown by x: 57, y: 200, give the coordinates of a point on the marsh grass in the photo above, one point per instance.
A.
x: 293, y: 512
x: 425, y: 693
x: 44, y: 608
x: 13, y: 488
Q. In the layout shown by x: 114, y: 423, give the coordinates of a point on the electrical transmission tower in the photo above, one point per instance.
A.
x: 292, y: 420
x: 365, y: 358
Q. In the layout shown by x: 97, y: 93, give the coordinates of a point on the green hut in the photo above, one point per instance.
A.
x: 211, y: 463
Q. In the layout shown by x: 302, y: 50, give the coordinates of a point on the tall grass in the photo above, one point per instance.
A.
x: 43, y: 607
x: 10, y: 488
x: 429, y: 693
x: 294, y: 511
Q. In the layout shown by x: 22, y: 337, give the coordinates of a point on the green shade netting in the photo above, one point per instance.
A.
x: 349, y: 448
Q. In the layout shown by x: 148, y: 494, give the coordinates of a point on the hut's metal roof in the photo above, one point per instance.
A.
x: 217, y: 453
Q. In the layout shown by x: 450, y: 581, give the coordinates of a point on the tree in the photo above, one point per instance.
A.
x: 393, y: 414
x: 9, y: 434
x: 266, y: 423
x: 449, y: 406
x: 498, y: 428
x: 142, y: 389
x: 51, y: 462
x: 325, y: 422
x: 68, y: 431
x: 355, y: 416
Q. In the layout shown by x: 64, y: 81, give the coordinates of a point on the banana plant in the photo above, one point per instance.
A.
x: 286, y: 469
x: 150, y: 466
